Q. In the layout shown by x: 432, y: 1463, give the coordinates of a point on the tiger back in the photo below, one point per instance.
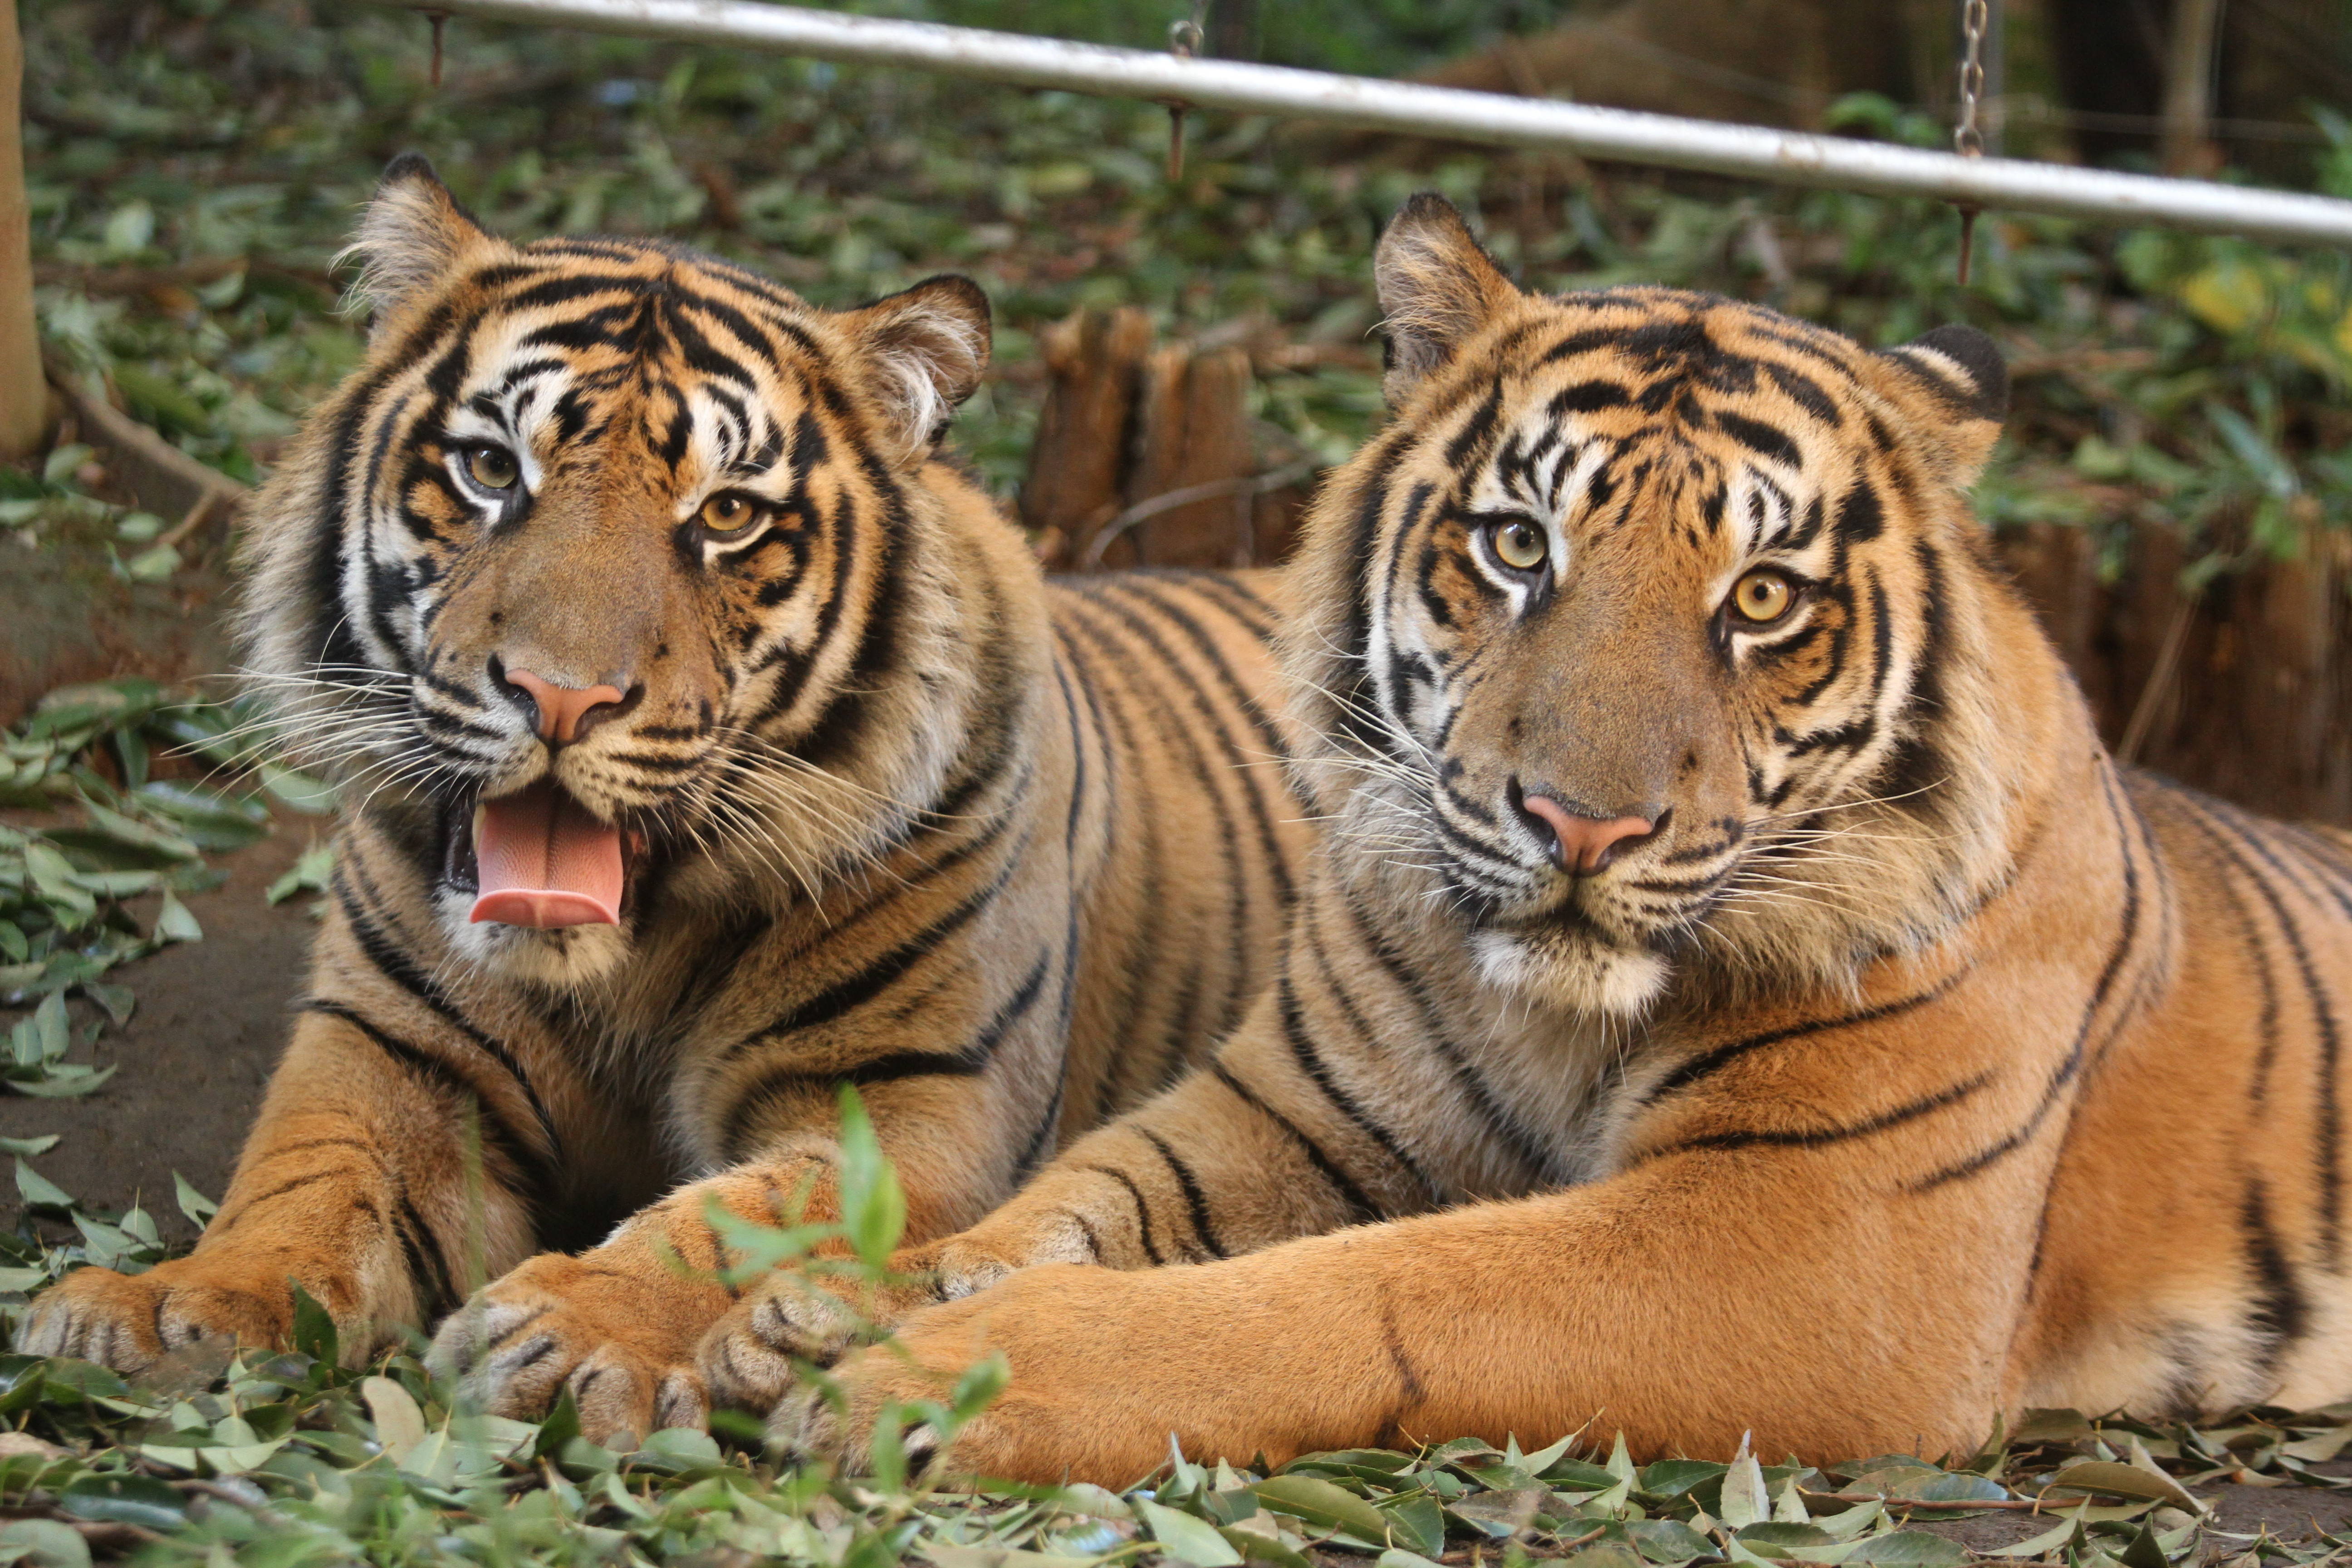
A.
x: 1737, y: 1002
x: 711, y: 745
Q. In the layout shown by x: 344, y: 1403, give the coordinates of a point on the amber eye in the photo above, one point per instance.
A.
x: 1762, y: 597
x: 729, y: 514
x: 493, y: 468
x: 1519, y: 545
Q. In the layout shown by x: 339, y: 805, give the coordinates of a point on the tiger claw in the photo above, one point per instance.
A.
x: 128, y: 1322
x: 522, y: 1343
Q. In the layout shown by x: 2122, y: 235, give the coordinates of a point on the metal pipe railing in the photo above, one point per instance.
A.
x: 1747, y: 152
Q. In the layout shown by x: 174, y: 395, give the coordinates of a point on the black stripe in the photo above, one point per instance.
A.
x: 2127, y: 938
x: 2280, y: 1312
x: 396, y: 966
x: 427, y: 1269
x: 1758, y: 437
x: 845, y: 996
x: 224, y: 1223
x: 1721, y: 1057
x: 1820, y: 1137
x: 1311, y: 927
x: 1534, y: 1151
x: 1196, y: 1202
x: 2330, y: 1130
x: 1145, y: 678
x: 497, y: 1134
x: 970, y: 1060
x: 1142, y: 1209
x: 1361, y: 1208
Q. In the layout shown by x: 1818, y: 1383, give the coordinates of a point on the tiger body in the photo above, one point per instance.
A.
x: 887, y: 808
x: 1695, y: 1022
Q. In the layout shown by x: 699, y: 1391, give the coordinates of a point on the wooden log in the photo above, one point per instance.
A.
x: 1078, y: 462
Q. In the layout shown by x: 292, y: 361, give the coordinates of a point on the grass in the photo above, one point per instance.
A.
x: 196, y: 167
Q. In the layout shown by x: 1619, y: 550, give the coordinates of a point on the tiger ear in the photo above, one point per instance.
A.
x: 1437, y: 286
x: 1957, y: 381
x: 412, y: 236
x: 928, y: 346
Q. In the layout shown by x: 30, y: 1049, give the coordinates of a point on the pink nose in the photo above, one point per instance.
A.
x: 561, y: 708
x: 1584, y: 844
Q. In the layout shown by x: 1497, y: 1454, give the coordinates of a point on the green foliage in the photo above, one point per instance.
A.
x: 288, y: 1459
x: 113, y: 829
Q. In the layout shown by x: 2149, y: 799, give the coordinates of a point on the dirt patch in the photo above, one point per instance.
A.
x: 2294, y: 1514
x: 210, y: 1021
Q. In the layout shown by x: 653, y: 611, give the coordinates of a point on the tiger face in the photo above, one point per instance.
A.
x: 586, y: 571
x: 1631, y: 613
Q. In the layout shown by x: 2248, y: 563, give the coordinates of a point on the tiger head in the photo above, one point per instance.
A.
x: 612, y: 566
x: 1650, y: 636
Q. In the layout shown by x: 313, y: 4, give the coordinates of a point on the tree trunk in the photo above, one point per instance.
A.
x: 24, y: 393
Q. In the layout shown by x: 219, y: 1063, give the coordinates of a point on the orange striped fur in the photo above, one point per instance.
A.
x: 898, y: 814
x: 1898, y: 1061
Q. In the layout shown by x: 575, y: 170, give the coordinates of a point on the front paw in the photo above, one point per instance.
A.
x: 1067, y: 1411
x: 128, y: 1320
x: 557, y: 1322
x: 751, y: 1357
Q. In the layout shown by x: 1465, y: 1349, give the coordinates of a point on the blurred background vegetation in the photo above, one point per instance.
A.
x: 195, y: 164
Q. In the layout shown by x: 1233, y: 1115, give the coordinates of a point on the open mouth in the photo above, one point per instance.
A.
x: 538, y: 859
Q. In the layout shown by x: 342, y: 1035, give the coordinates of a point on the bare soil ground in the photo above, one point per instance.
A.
x: 211, y: 1020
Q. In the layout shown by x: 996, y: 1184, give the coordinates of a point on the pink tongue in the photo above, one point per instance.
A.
x: 544, y: 861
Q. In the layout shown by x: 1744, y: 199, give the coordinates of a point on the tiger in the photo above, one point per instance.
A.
x: 1736, y: 996
x: 712, y: 742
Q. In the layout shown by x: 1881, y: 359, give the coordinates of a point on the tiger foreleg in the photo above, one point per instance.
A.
x: 1231, y: 1160
x: 1675, y: 1304
x: 353, y: 1184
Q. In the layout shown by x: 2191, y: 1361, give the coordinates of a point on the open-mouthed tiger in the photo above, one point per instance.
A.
x: 712, y: 744
x: 1735, y: 975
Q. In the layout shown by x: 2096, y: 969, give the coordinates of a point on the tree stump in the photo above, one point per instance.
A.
x: 1078, y: 462
x: 1125, y: 424
x: 1193, y: 433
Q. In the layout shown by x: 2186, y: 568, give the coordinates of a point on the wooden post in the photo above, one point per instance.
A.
x: 24, y: 392
x: 2187, y: 144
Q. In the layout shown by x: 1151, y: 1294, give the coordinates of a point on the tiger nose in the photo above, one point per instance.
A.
x: 1584, y: 844
x: 565, y: 713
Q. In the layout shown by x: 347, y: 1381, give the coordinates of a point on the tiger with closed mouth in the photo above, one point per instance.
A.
x: 1737, y: 991
x: 711, y: 743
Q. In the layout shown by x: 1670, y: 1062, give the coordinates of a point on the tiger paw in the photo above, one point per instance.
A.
x: 127, y: 1321
x: 751, y: 1358
x: 558, y: 1322
x: 1068, y: 1411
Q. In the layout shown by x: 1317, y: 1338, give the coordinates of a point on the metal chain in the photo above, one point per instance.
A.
x: 1976, y: 20
x: 1967, y: 139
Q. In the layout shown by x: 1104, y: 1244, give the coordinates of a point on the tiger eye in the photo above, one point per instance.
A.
x: 1762, y: 597
x: 493, y: 468
x: 1520, y: 544
x: 729, y: 514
